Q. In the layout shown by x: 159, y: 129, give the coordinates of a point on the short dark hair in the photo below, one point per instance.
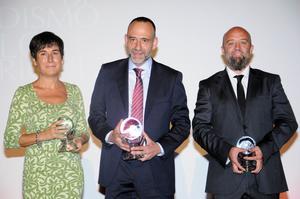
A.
x: 43, y: 40
x: 145, y: 20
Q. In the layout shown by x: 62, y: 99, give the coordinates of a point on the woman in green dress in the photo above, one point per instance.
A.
x: 35, y: 122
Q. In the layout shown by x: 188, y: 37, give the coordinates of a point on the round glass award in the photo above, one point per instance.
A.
x: 132, y: 133
x: 67, y: 123
x: 247, y: 143
x: 131, y: 128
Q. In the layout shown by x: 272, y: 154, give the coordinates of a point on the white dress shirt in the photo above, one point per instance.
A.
x: 233, y: 81
x: 145, y: 75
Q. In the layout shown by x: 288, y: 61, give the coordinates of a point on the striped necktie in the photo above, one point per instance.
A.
x: 137, y: 99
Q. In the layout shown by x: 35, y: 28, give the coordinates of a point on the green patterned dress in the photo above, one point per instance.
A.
x: 48, y: 174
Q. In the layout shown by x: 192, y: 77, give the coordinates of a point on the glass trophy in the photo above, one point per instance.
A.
x: 67, y: 124
x: 132, y: 133
x: 246, y: 142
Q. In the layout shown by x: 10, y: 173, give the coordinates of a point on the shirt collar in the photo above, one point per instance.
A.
x: 146, y: 66
x: 231, y: 73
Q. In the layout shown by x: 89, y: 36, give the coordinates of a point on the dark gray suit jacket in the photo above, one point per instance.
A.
x: 218, y: 124
x: 166, y: 117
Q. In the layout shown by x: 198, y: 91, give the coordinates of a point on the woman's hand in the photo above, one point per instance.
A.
x: 75, y: 145
x: 55, y: 131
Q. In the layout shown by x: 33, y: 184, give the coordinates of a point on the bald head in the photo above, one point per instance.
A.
x: 234, y: 31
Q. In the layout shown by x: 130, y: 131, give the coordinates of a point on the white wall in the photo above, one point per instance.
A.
x: 190, y: 34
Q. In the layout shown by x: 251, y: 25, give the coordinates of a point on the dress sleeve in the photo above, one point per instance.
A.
x: 16, y: 119
x: 81, y: 124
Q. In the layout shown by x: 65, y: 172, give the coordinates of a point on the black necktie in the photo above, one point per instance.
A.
x: 241, y: 94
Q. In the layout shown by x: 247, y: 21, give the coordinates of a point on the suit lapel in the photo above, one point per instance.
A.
x: 228, y: 89
x: 122, y: 81
x: 153, y: 85
x: 253, y: 86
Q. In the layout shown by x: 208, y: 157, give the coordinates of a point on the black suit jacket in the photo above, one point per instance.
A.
x: 218, y: 124
x: 166, y: 117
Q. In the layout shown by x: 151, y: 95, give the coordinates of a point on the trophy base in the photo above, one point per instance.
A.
x: 128, y: 156
x: 249, y: 165
x: 63, y: 147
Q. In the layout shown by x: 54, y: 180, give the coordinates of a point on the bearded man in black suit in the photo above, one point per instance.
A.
x: 242, y: 102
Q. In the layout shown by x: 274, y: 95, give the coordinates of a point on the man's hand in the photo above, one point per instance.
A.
x: 233, y: 156
x: 258, y: 157
x: 147, y: 152
x: 115, y: 137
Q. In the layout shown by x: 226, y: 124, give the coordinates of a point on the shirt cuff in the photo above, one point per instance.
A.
x: 107, y: 136
x: 162, y: 152
x: 227, y: 161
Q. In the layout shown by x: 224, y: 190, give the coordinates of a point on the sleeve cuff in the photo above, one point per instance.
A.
x: 162, y: 152
x: 227, y: 161
x: 107, y: 136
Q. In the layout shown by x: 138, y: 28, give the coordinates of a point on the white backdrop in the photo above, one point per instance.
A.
x: 190, y: 35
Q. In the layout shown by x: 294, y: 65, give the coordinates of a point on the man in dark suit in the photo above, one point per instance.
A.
x: 242, y: 101
x: 165, y: 118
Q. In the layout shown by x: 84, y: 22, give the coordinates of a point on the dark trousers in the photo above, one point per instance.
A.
x: 247, y: 190
x: 134, y: 180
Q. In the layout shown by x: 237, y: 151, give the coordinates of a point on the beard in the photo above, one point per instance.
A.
x: 238, y: 63
x: 138, y: 61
